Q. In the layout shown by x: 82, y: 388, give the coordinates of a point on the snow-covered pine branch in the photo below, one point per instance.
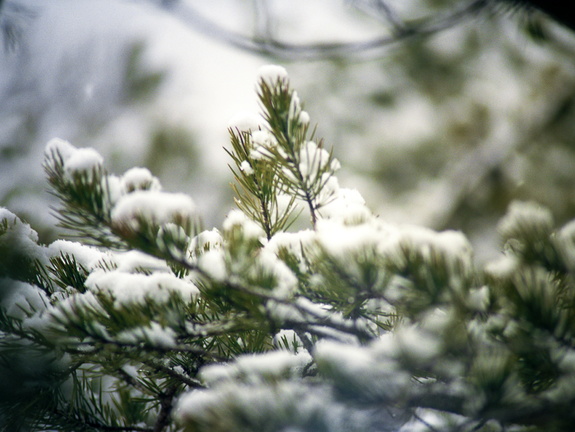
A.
x: 151, y: 323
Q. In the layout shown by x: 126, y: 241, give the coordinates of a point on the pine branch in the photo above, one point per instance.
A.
x: 257, y: 186
x: 85, y: 199
x: 166, y: 407
x: 303, y: 167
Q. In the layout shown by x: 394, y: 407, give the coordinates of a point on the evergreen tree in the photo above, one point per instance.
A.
x: 148, y: 322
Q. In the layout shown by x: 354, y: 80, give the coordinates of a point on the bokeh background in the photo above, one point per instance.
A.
x: 443, y: 128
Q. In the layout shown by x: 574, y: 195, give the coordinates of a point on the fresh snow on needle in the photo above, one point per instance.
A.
x: 158, y: 207
x: 272, y: 73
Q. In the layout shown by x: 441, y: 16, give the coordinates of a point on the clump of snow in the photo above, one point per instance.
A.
x: 245, y: 122
x: 525, y: 214
x: 246, y: 168
x: 20, y: 239
x: 87, y: 256
x: 140, y: 179
x: 206, y: 241
x: 340, y: 240
x: 417, y: 344
x: 502, y: 268
x: 83, y: 160
x: 478, y: 299
x: 116, y: 188
x: 385, y: 346
x: 295, y: 111
x: 214, y: 264
x: 66, y: 309
x: 263, y: 138
x: 61, y: 147
x: 135, y: 261
x: 315, y: 159
x: 20, y: 299
x: 271, y: 74
x: 263, y: 142
x: 217, y: 373
x: 452, y: 243
x: 255, y: 368
x: 359, y: 368
x: 303, y: 118
x: 236, y: 218
x: 158, y: 207
x: 286, y: 281
x: 154, y: 334
x: 288, y: 339
x: 74, y: 159
x: 453, y: 246
x: 346, y: 205
x: 292, y: 241
x: 130, y: 289
x: 273, y: 363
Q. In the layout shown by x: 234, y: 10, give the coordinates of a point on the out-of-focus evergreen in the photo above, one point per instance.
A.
x: 452, y: 125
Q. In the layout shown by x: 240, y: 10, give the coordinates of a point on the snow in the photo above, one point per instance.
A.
x: 286, y: 281
x: 155, y: 334
x: 263, y: 142
x: 478, y: 299
x: 294, y: 107
x: 75, y: 159
x: 254, y: 405
x: 135, y: 289
x: 213, y: 263
x: 417, y: 344
x: 293, y: 242
x: 158, y: 207
x: 294, y: 342
x: 236, y: 218
x: 61, y: 147
x: 83, y: 159
x: 140, y: 179
x: 342, y: 240
x: 314, y: 159
x: 566, y: 242
x: 255, y: 368
x: 205, y: 241
x: 246, y: 168
x: 66, y: 310
x: 20, y: 239
x: 273, y: 363
x: 304, y: 118
x: 452, y: 245
x: 245, y: 121
x: 354, y: 359
x: 87, y: 256
x: 20, y: 299
x: 525, y: 214
x: 116, y: 188
x: 346, y: 205
x: 263, y: 138
x: 271, y: 74
x: 503, y: 267
x: 197, y: 403
x: 135, y: 261
x: 361, y: 369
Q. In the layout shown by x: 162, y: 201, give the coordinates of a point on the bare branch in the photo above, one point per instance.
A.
x: 317, y: 51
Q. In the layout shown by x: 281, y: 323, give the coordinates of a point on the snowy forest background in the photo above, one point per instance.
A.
x: 448, y: 115
x: 147, y: 85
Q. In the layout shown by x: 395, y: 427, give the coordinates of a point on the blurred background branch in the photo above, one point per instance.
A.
x: 262, y: 40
